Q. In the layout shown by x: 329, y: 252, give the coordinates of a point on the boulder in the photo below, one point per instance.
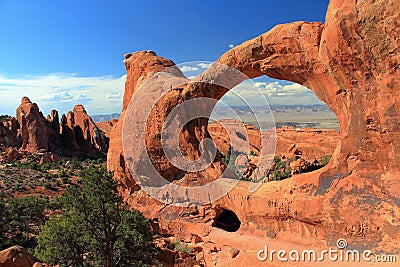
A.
x: 16, y: 256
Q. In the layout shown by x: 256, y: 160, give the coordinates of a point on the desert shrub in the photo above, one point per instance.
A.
x: 75, y: 164
x: 45, y: 166
x: 48, y: 186
x: 62, y: 174
x: 21, y: 220
x: 229, y: 159
x: 276, y: 174
x: 324, y: 160
x: 57, y: 183
x: 65, y: 180
x: 5, y: 117
x: 29, y: 165
x: 182, y: 247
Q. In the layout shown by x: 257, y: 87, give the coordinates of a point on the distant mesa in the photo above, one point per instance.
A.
x: 105, y: 118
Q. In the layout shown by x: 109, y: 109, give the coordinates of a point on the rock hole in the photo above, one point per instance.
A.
x: 227, y: 220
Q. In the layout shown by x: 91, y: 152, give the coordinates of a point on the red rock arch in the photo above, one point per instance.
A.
x: 352, y: 64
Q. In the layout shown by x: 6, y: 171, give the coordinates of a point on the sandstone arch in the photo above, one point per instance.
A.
x: 351, y: 63
x: 355, y: 78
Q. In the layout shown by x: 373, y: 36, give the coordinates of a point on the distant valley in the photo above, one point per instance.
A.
x: 299, y: 116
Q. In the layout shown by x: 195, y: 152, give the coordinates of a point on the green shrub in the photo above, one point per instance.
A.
x: 324, y: 160
x: 275, y: 174
x: 21, y: 220
x: 65, y: 180
x: 182, y: 247
x: 252, y: 153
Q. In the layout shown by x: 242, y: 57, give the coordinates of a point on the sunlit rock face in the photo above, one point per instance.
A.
x: 31, y: 132
x: 352, y: 64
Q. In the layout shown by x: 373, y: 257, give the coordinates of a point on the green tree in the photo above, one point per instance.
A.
x: 63, y: 241
x: 3, y: 221
x: 97, y: 228
x: 22, y: 219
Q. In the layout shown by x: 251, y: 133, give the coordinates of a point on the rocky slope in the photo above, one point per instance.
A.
x: 352, y: 64
x: 299, y: 149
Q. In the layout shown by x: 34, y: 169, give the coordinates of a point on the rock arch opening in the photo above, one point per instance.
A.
x: 226, y: 220
x: 307, y: 131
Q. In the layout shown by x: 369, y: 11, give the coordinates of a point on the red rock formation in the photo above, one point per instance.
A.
x: 220, y: 136
x: 106, y: 127
x: 8, y: 133
x: 138, y: 66
x: 80, y: 132
x: 351, y: 63
x: 307, y: 143
x: 348, y: 66
x: 34, y: 131
x: 68, y: 139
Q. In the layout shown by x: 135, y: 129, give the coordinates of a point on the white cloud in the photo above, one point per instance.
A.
x: 114, y: 95
x: 61, y: 96
x: 62, y: 91
x: 188, y: 68
x: 82, y: 98
x: 275, y: 92
x: 204, y: 65
x: 230, y: 45
x: 64, y: 96
x: 276, y: 89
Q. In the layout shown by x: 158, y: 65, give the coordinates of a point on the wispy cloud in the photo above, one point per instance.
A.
x: 64, y: 96
x: 194, y: 67
x: 62, y: 91
x: 204, y: 65
x: 275, y: 92
x: 188, y: 68
x: 276, y: 89
x: 115, y: 97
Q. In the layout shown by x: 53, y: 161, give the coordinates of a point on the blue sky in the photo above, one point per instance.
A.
x: 60, y: 53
